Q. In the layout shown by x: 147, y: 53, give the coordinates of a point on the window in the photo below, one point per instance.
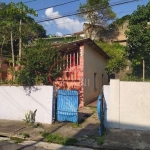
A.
x: 95, y: 76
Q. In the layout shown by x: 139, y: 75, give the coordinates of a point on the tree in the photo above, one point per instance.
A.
x: 117, y: 54
x: 138, y: 40
x: 36, y: 61
x: 98, y: 12
x: 17, y: 29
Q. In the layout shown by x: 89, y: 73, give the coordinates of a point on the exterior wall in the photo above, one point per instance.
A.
x: 15, y: 101
x: 121, y: 38
x: 3, y: 71
x: 74, y: 80
x: 128, y: 105
x: 93, y: 63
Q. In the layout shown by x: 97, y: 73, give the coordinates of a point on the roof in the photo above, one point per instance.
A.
x: 90, y: 43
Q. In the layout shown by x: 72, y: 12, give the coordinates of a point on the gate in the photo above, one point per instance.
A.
x: 100, y: 113
x: 67, y: 106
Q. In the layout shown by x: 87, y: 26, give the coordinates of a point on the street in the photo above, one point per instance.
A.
x: 34, y: 145
x: 7, y: 145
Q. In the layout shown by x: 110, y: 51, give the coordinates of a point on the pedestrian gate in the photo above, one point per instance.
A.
x: 100, y: 113
x: 67, y: 106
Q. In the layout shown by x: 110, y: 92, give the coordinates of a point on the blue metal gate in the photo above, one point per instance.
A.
x: 100, y: 113
x: 67, y: 106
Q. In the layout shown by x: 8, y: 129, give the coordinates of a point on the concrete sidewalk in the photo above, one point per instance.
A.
x: 86, y: 133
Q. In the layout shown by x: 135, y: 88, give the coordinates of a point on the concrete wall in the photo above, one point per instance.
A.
x: 15, y: 101
x: 127, y: 105
x: 93, y: 63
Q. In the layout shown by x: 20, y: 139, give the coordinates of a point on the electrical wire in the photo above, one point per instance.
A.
x: 57, y: 5
x: 29, y: 1
x: 78, y: 13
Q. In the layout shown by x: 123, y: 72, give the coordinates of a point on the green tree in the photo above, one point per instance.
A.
x: 117, y: 54
x: 98, y: 12
x: 37, y: 61
x: 138, y: 42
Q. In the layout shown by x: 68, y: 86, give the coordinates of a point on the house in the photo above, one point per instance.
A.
x: 84, y: 70
x: 122, y: 38
x: 115, y: 34
x: 3, y: 68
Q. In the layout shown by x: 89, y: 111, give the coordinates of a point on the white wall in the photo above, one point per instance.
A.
x: 15, y: 101
x: 93, y: 63
x: 128, y: 106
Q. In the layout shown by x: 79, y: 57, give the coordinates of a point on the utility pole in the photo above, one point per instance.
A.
x: 143, y: 69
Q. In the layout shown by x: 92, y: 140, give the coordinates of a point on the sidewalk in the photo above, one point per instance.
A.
x: 86, y: 133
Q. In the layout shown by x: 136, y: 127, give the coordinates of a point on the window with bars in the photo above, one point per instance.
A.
x: 67, y: 60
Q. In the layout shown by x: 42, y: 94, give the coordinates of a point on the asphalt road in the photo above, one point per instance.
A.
x: 6, y: 145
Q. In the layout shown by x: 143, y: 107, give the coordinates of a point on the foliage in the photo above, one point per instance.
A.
x: 101, y: 139
x: 98, y: 12
x: 25, y: 135
x: 122, y: 20
x: 16, y: 139
x: 56, y: 138
x: 117, y: 54
x: 130, y: 77
x: 37, y: 61
x: 138, y: 42
x: 10, y: 16
x: 30, y: 116
x: 76, y: 125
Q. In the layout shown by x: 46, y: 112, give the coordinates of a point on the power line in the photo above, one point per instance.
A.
x: 57, y: 5
x: 77, y: 13
x: 69, y: 22
x: 29, y: 1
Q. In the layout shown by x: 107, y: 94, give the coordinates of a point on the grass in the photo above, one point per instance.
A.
x: 25, y: 135
x: 76, y: 125
x: 16, y: 139
x: 101, y: 139
x: 93, y: 108
x: 56, y: 138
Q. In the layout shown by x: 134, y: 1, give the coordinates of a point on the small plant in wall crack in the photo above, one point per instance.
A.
x: 30, y: 116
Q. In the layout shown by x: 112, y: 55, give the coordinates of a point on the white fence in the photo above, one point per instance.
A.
x: 16, y: 101
x: 127, y: 105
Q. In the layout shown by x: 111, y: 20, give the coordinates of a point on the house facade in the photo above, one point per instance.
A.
x: 84, y: 70
x: 3, y: 68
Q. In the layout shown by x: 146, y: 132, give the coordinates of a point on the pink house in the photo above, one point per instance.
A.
x: 85, y: 70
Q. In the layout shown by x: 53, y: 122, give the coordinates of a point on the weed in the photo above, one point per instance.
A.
x: 16, y: 139
x: 100, y: 140
x: 93, y: 108
x: 92, y: 137
x: 36, y: 125
x: 76, y: 125
x: 25, y: 135
x: 56, y: 138
x: 30, y: 116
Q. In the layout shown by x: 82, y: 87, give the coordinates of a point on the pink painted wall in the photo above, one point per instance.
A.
x: 73, y: 79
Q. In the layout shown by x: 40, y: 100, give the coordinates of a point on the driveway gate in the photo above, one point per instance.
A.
x: 67, y: 106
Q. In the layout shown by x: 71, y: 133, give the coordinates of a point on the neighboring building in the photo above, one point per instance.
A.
x: 121, y: 38
x: 79, y: 34
x: 3, y: 68
x: 112, y: 34
x: 85, y: 70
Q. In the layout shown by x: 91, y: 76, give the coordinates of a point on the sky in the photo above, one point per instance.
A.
x: 71, y: 24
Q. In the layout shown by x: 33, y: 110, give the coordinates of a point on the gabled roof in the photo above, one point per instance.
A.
x: 89, y: 42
